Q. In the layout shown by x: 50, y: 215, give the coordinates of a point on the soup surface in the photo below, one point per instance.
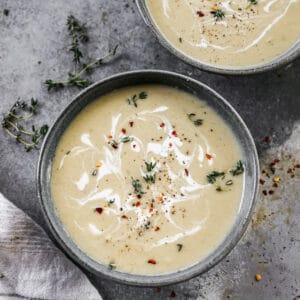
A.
x: 237, y: 33
x: 149, y: 183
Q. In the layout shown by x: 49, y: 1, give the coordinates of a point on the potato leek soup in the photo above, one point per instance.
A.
x: 148, y: 179
x: 237, y: 33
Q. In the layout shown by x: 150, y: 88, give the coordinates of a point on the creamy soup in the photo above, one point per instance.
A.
x: 147, y: 179
x: 236, y: 33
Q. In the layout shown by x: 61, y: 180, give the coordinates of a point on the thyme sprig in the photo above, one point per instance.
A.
x: 212, y: 177
x: 150, y: 178
x: 134, y: 99
x: 238, y: 170
x: 197, y: 122
x: 78, y: 32
x: 124, y: 140
x: 137, y: 187
x: 76, y: 79
x: 218, y: 14
x: 22, y: 112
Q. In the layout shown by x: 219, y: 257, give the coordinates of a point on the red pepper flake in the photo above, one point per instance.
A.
x: 123, y: 130
x: 170, y: 144
x: 138, y: 203
x: 162, y: 125
x: 261, y: 181
x: 271, y: 192
x: 266, y: 139
x: 208, y: 156
x: 174, y: 133
x: 265, y: 192
x: 200, y: 13
x: 152, y: 261
x: 297, y: 166
x: 264, y: 171
x: 276, y: 161
x: 150, y: 210
x: 115, y: 146
x: 289, y: 171
x: 131, y: 123
x: 158, y: 289
x: 173, y: 294
x: 139, y: 196
x: 134, y: 146
x: 99, y: 210
x: 124, y: 217
x: 186, y: 171
x: 110, y: 137
x: 157, y: 228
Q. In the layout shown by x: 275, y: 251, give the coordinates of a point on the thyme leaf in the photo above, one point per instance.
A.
x: 137, y: 187
x: 239, y: 169
x: 212, y: 177
x: 179, y: 247
x: 136, y: 97
x: 197, y: 122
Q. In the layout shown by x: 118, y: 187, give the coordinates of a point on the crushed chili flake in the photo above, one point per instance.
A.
x: 123, y: 130
x: 138, y: 203
x: 115, y: 146
x: 265, y: 192
x: 264, y: 171
x: 271, y: 192
x: 160, y: 198
x: 99, y: 210
x: 131, y: 123
x: 173, y: 294
x: 157, y: 228
x: 276, y: 161
x: 266, y: 139
x: 139, y: 196
x: 162, y: 125
x: 110, y: 136
x: 289, y: 171
x: 152, y: 261
x: 174, y: 133
x: 124, y: 217
x: 297, y: 166
x: 186, y: 171
x: 158, y: 289
x: 134, y: 146
x: 200, y: 13
x: 150, y: 210
x: 208, y: 156
x: 170, y: 144
x: 261, y: 181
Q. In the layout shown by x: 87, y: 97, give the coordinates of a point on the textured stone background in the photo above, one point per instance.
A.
x: 34, y: 47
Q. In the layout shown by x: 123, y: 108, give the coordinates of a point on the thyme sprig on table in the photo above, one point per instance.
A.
x: 78, y: 33
x: 22, y: 112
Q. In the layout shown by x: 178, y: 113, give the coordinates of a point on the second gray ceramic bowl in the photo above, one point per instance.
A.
x: 218, y: 103
x: 277, y: 62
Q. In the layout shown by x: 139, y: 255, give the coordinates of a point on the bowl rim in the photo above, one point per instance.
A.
x: 81, y: 258
x: 283, y: 59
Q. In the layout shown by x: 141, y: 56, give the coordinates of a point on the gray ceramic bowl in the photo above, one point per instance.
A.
x: 142, y: 77
x: 279, y: 61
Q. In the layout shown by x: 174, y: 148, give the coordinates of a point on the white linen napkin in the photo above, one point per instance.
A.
x: 31, y: 266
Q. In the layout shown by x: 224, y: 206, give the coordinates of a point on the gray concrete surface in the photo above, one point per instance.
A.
x: 34, y: 46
